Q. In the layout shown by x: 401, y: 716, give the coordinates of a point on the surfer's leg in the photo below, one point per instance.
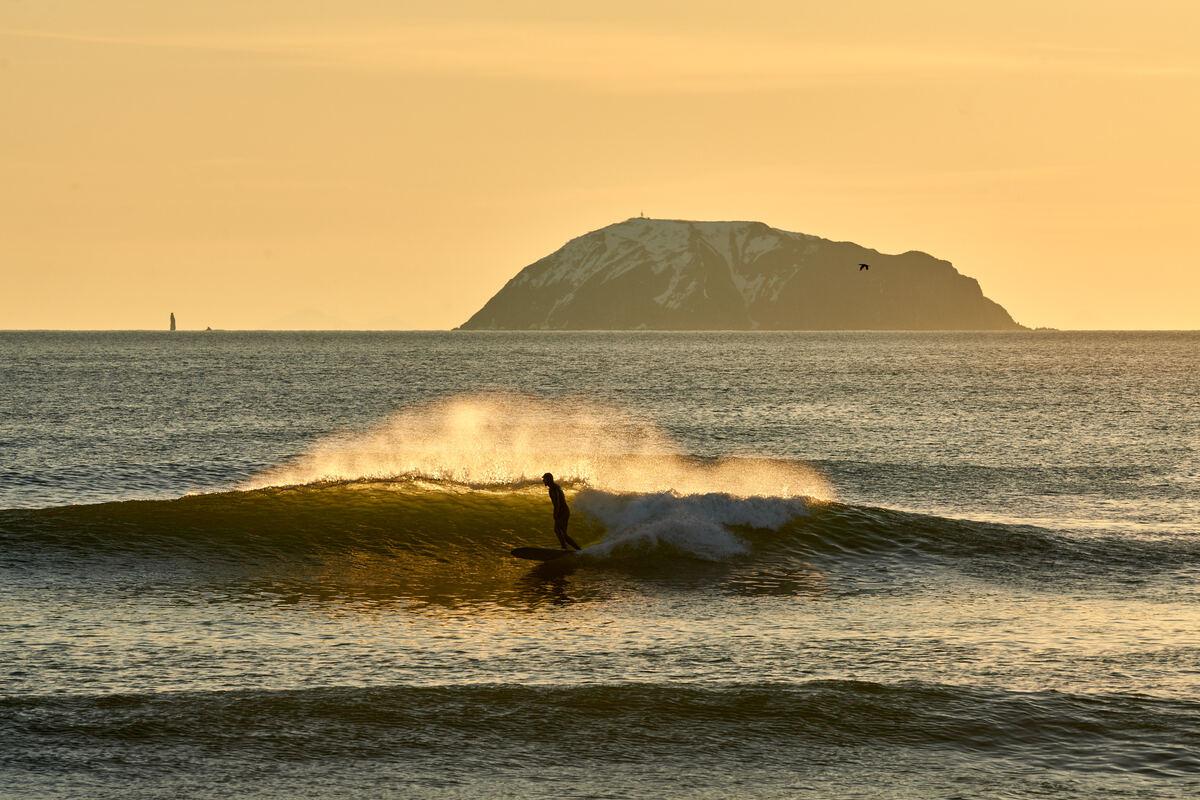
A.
x: 560, y: 529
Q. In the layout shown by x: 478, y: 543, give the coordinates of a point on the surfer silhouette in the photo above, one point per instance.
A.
x: 562, y: 514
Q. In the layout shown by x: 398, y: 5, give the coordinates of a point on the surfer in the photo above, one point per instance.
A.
x: 562, y: 514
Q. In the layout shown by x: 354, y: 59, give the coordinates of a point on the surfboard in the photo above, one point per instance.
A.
x: 541, y: 553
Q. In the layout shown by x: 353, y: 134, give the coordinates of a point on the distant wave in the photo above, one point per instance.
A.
x: 769, y: 724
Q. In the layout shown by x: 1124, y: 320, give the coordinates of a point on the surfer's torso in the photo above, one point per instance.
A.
x: 559, y: 501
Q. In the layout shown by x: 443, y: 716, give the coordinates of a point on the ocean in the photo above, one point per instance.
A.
x: 862, y: 565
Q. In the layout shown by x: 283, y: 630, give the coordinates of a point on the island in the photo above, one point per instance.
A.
x: 666, y: 274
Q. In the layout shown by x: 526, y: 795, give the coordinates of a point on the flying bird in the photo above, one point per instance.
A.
x: 861, y: 267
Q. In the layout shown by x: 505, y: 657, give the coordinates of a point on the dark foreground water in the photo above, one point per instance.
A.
x: 816, y: 565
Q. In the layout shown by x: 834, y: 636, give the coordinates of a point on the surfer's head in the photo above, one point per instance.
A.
x: 547, y: 479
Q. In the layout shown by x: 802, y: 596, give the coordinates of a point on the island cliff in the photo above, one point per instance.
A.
x: 654, y: 274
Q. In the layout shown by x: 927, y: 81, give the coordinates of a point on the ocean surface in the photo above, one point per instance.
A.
x: 863, y: 565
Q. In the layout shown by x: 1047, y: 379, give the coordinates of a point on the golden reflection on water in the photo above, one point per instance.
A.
x: 369, y: 579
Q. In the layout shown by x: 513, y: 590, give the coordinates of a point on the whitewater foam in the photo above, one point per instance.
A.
x: 695, y: 525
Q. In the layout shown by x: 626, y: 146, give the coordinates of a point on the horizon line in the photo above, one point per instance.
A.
x: 1039, y: 329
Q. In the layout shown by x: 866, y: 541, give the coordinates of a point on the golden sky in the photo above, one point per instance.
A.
x: 390, y: 164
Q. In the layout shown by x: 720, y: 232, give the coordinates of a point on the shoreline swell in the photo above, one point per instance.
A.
x: 774, y: 722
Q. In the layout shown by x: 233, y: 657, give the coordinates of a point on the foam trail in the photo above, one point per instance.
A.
x: 505, y: 439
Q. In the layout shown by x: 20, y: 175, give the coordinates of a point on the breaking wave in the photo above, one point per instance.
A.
x: 406, y: 522
x: 406, y: 516
x: 436, y: 496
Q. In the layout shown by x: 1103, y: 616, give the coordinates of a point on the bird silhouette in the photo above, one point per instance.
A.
x: 861, y: 267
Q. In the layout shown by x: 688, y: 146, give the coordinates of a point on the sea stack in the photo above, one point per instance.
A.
x: 172, y: 320
x: 663, y: 274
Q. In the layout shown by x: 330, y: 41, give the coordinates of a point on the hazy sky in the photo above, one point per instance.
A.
x: 390, y: 164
